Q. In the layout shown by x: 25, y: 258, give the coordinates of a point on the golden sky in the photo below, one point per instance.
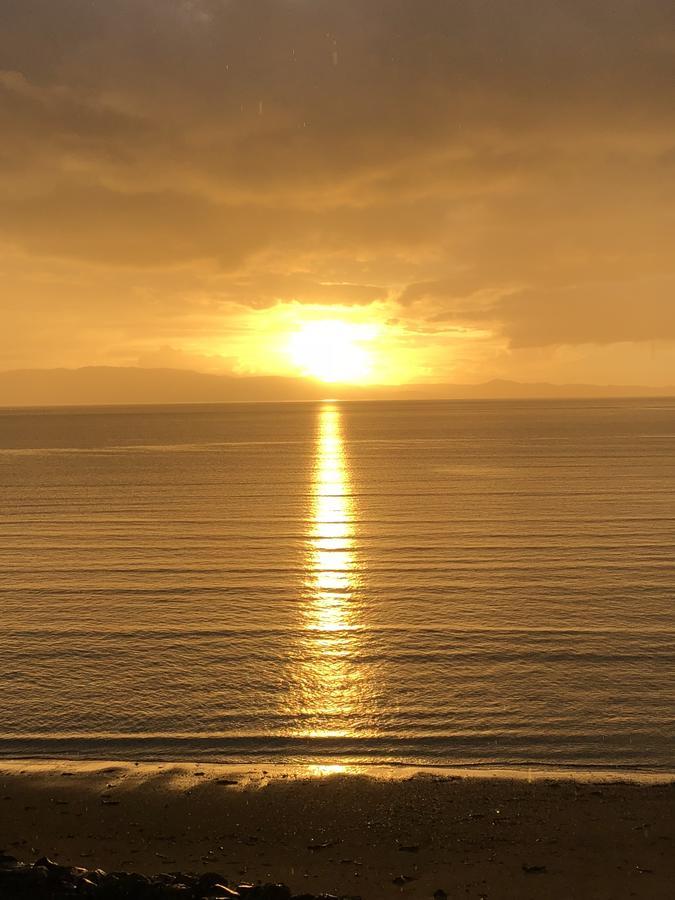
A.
x: 447, y: 191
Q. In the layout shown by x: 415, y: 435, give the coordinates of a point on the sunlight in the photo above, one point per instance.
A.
x: 330, y: 687
x: 352, y: 346
x: 333, y: 350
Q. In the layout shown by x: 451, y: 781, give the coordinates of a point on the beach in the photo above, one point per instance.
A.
x: 337, y: 450
x: 349, y: 832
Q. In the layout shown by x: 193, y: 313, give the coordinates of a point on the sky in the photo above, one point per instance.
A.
x: 376, y: 191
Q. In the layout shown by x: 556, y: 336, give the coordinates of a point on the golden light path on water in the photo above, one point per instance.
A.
x: 330, y: 684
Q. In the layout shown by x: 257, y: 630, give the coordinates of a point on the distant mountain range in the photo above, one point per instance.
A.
x: 96, y: 385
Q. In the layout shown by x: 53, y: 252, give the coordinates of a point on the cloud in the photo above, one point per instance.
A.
x: 99, y: 225
x: 502, y: 166
x: 603, y: 313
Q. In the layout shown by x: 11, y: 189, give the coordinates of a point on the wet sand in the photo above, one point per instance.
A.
x: 346, y: 833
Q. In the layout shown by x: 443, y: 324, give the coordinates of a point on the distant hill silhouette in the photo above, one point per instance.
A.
x: 96, y: 385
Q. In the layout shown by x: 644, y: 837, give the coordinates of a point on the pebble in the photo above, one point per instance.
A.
x: 48, y: 880
x: 533, y: 870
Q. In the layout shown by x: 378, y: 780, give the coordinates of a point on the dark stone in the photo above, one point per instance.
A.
x: 39, y: 874
x: 48, y: 863
x: 221, y: 892
x: 208, y: 880
x: 533, y: 870
x: 322, y: 846
x: 322, y: 897
x: 9, y: 863
x: 109, y: 887
x: 169, y: 892
x: 185, y: 878
x: 164, y: 878
x: 77, y: 871
x: 26, y: 883
x: 133, y: 880
x: 270, y: 892
x: 63, y: 876
x: 123, y: 885
x: 14, y: 876
x: 49, y: 880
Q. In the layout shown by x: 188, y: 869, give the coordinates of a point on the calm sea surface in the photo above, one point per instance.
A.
x: 462, y: 583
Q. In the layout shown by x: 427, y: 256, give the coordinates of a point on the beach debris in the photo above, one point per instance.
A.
x: 402, y: 879
x: 409, y: 848
x: 534, y: 870
x: 321, y: 846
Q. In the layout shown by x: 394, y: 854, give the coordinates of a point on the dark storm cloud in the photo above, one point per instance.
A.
x: 493, y: 163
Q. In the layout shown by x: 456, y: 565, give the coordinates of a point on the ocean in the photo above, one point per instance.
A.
x: 472, y: 584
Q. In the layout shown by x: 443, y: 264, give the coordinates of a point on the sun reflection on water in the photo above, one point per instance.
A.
x: 330, y: 684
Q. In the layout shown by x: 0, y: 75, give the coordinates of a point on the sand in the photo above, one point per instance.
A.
x: 348, y: 832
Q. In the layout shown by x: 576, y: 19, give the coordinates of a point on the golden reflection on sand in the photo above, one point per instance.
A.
x: 330, y: 685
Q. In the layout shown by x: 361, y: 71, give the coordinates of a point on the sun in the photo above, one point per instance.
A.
x: 333, y: 350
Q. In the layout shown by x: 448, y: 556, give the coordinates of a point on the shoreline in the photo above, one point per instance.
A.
x: 398, y: 832
x: 379, y: 770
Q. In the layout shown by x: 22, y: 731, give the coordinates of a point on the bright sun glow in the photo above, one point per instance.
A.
x: 333, y: 350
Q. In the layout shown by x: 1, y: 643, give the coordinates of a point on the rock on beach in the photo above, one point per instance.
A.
x: 47, y: 880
